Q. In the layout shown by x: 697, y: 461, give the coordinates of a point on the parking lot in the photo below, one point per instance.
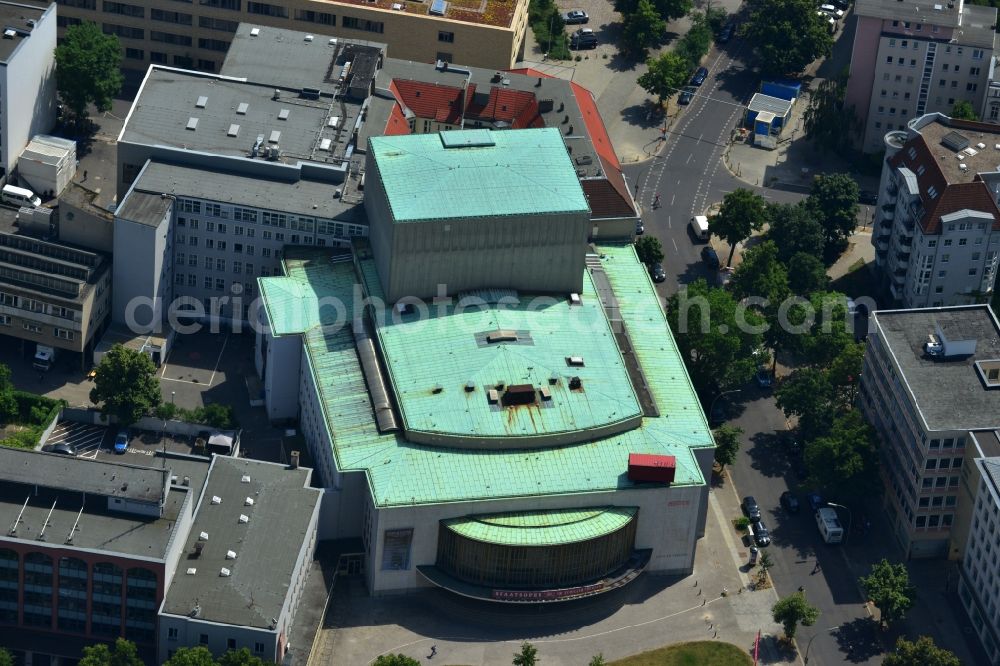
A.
x: 85, y: 438
x: 195, y: 359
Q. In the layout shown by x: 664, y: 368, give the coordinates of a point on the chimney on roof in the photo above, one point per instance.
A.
x: 538, y: 84
x: 294, y: 460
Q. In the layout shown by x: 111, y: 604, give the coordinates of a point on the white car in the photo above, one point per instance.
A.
x: 832, y: 11
x: 829, y: 20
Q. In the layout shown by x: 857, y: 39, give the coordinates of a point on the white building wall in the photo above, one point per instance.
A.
x: 177, y: 632
x: 668, y: 524
x: 139, y: 270
x: 28, y: 89
x: 979, y: 586
x: 313, y: 424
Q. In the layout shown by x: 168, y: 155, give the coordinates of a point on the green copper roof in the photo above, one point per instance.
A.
x: 543, y: 528
x: 476, y: 173
x: 401, y: 473
x: 293, y: 306
x: 432, y: 359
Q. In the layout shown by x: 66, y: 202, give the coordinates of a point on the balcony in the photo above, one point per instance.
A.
x: 899, y: 276
x: 882, y: 244
x: 903, y: 261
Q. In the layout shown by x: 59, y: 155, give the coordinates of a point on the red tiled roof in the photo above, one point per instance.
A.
x: 952, y: 197
x: 396, y: 125
x: 517, y: 107
x: 608, y: 197
x: 430, y: 100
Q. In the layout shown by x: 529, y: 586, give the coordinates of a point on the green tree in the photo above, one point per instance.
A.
x: 243, y: 657
x: 6, y: 659
x: 829, y: 125
x: 596, y: 660
x: 761, y: 275
x: 8, y: 404
x: 668, y: 9
x: 806, y: 274
x: 888, y: 587
x: 87, y: 68
x: 191, y: 656
x: 216, y: 415
x: 716, y: 338
x: 844, y: 463
x: 830, y: 331
x: 123, y: 654
x: 649, y: 249
x: 697, y: 41
x: 641, y: 29
x: 665, y: 75
x: 963, y: 111
x: 843, y: 375
x: 396, y: 660
x: 716, y: 18
x: 794, y: 229
x: 787, y: 35
x: 549, y: 28
x: 807, y: 394
x: 727, y: 444
x: 742, y: 213
x: 528, y: 656
x: 125, y: 385
x: 792, y: 611
x: 833, y: 200
x: 922, y: 652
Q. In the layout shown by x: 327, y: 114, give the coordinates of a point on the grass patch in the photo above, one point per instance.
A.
x: 702, y: 653
x: 742, y: 524
x: 860, y: 263
x: 34, y: 413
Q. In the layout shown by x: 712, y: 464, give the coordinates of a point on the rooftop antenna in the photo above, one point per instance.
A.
x: 17, y: 521
x: 72, y: 530
x: 45, y: 525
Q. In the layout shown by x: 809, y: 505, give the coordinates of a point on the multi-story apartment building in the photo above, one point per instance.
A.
x: 979, y: 582
x: 197, y: 35
x: 912, y: 57
x: 923, y: 407
x: 52, y: 294
x: 937, y: 225
x: 27, y: 76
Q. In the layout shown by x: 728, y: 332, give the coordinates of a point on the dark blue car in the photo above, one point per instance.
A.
x: 699, y: 76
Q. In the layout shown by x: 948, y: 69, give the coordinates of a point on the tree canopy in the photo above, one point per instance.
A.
x: 794, y: 229
x: 963, y: 110
x: 727, y: 444
x: 201, y: 656
x: 124, y: 653
x: 844, y: 463
x: 641, y: 29
x: 828, y: 124
x: 806, y: 274
x: 87, y: 68
x: 665, y: 75
x: 761, y: 275
x: 6, y: 659
x: 787, y: 35
x: 888, y: 587
x: 8, y: 404
x: 792, y: 611
x: 833, y: 200
x: 191, y: 656
x: 668, y: 9
x: 396, y: 660
x: 528, y: 656
x: 742, y: 213
x: 649, y: 249
x: 715, y: 336
x: 922, y: 652
x: 241, y: 657
x: 807, y: 394
x: 125, y: 385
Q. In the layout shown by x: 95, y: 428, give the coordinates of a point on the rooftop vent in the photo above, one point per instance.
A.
x: 989, y: 372
x: 230, y: 554
x: 203, y: 536
x: 519, y: 394
x: 438, y: 8
x: 274, y: 137
x: 325, y: 144
x: 244, y: 519
x: 308, y: 38
x: 202, y: 101
x: 283, y: 114
x: 470, y: 386
x: 333, y: 41
x: 276, y: 95
x: 191, y: 571
x: 574, y: 299
x: 216, y: 499
x: 575, y: 384
x: 980, y: 145
x: 192, y: 124
x: 233, y: 130
x: 574, y: 361
x: 248, y: 501
x: 225, y: 573
x: 254, y: 32
x: 397, y: 6
x: 963, y: 166
x: 9, y: 33
x: 501, y: 336
x: 546, y: 393
x: 333, y: 121
x: 245, y: 478
x: 310, y: 93
x: 242, y: 108
x: 199, y: 548
x: 553, y: 379
x: 954, y: 141
x: 938, y: 8
x: 493, y: 396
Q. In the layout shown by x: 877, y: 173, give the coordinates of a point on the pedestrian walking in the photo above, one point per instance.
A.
x: 816, y: 568
x: 434, y: 651
x: 85, y: 174
x: 656, y: 201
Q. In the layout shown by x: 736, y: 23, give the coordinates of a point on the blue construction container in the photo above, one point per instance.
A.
x: 781, y: 89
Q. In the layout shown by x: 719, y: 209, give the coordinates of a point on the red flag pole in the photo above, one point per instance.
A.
x: 756, y: 648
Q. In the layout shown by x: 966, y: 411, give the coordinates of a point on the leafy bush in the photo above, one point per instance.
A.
x: 742, y: 523
x: 549, y: 28
x: 695, y: 44
x: 35, y: 409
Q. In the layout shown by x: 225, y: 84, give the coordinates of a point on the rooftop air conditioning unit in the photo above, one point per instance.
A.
x: 224, y: 572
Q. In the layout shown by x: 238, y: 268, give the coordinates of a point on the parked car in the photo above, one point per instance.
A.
x: 584, y: 38
x: 640, y: 229
x: 790, y: 502
x: 841, y: 4
x: 61, y: 448
x: 831, y: 23
x: 121, y: 442
x: 657, y: 273
x: 832, y: 11
x: 575, y: 16
x: 687, y: 95
x: 710, y: 257
x: 815, y: 501
x: 726, y: 276
x: 760, y: 534
x: 764, y: 378
x: 867, y: 197
x: 751, y: 508
x: 699, y: 77
x: 727, y: 32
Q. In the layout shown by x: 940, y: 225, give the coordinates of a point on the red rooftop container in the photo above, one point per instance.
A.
x: 647, y: 467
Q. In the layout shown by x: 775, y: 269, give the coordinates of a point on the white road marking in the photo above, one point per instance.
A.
x: 675, y: 246
x: 669, y: 226
x: 218, y: 360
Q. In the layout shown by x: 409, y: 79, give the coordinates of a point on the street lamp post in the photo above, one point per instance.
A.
x: 711, y: 407
x: 805, y: 659
x: 850, y: 519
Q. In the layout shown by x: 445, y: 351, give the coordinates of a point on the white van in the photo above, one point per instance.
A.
x: 829, y: 525
x: 699, y: 225
x: 18, y: 196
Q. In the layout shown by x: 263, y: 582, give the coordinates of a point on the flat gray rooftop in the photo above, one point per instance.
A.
x: 948, y: 392
x: 266, y: 547
x: 975, y: 26
x: 98, y: 528
x: 303, y: 197
x: 50, y: 470
x: 285, y: 56
x: 145, y: 208
x: 17, y: 16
